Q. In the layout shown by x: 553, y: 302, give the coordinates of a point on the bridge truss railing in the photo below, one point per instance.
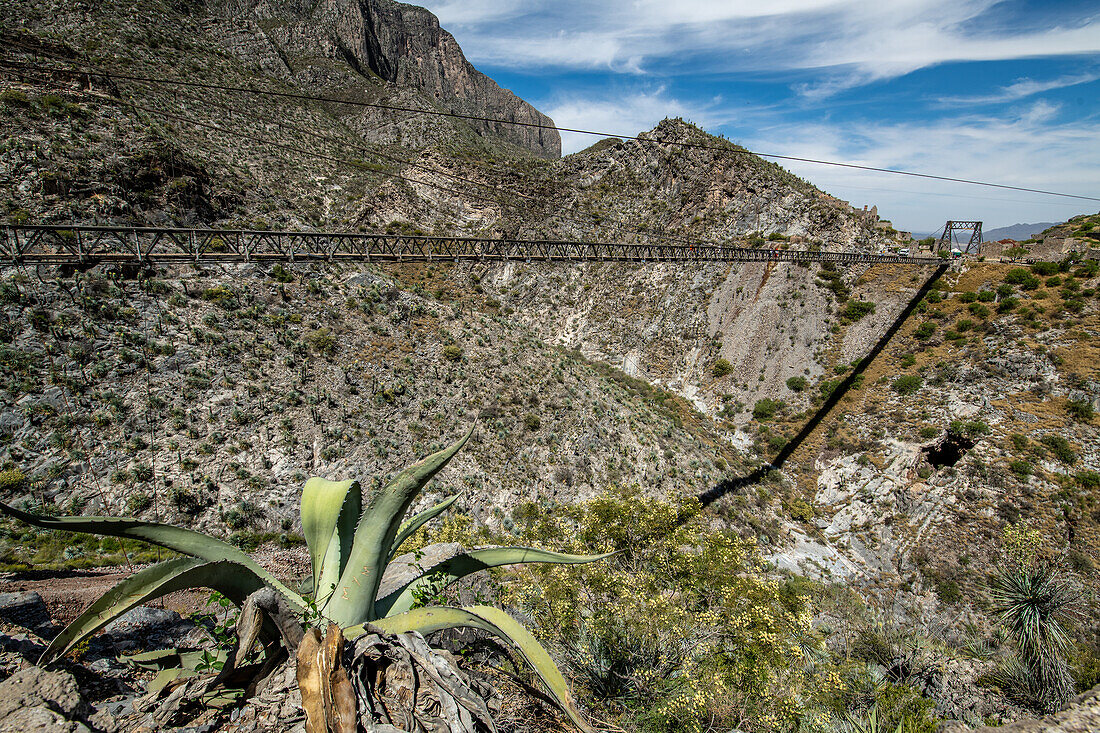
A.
x: 59, y: 244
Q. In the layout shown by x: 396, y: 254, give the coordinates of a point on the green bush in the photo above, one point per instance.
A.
x: 452, y: 352
x: 1020, y: 467
x: 322, y: 341
x: 1023, y: 278
x: 986, y: 296
x: 281, y: 274
x: 531, y: 421
x: 800, y: 511
x: 1088, y: 479
x: 968, y: 428
x: 765, y: 409
x: 1045, y: 268
x: 925, y: 330
x: 1080, y: 409
x: 797, y: 384
x: 721, y: 368
x: 1060, y: 448
x: 968, y: 297
x: 856, y: 309
x: 928, y: 432
x: 907, y: 384
x: 13, y: 481
x: 680, y: 627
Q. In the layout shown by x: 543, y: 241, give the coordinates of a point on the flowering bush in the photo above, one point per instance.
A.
x: 681, y: 629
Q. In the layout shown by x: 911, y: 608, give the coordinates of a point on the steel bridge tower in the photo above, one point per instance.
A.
x: 948, y: 237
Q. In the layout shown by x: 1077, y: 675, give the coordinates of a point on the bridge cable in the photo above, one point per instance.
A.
x: 538, y: 125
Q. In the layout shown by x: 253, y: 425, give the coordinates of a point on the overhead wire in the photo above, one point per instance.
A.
x: 371, y: 169
x: 728, y: 147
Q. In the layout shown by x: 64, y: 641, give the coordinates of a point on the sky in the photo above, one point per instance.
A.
x: 1007, y: 92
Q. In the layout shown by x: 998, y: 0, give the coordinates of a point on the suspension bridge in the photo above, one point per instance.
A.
x: 90, y: 245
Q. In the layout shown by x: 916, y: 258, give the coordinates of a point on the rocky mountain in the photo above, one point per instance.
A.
x: 382, y: 40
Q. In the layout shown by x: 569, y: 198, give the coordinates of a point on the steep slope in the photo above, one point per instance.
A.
x: 401, y: 45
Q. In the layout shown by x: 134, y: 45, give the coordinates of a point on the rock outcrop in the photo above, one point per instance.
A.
x: 402, y: 45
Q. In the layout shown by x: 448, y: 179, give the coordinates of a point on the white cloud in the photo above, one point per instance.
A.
x: 1026, y: 150
x: 626, y: 113
x: 864, y: 39
x: 1023, y: 88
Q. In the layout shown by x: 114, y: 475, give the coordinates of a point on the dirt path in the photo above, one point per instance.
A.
x: 68, y: 592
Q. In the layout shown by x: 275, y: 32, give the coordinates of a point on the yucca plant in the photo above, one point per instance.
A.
x: 1035, y: 604
x: 350, y: 547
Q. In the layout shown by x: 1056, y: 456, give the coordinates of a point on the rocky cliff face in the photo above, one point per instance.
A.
x: 399, y: 44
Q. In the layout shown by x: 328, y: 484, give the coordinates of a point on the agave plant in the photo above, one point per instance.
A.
x: 1035, y: 604
x: 350, y: 547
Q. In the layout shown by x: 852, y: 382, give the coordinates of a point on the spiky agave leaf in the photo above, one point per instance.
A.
x: 419, y: 521
x: 353, y: 600
x: 330, y: 512
x: 496, y: 622
x: 1034, y: 603
x: 177, y: 539
x: 231, y: 579
x: 448, y: 571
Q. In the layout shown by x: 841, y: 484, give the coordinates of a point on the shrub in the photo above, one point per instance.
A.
x: 1020, y: 467
x: 925, y: 330
x: 13, y: 481
x: 928, y: 432
x: 721, y: 368
x: 968, y: 297
x: 978, y: 310
x: 797, y: 384
x: 765, y: 408
x: 855, y: 309
x: 452, y: 352
x: 679, y: 622
x: 1023, y: 278
x: 907, y: 384
x: 968, y: 428
x: 1060, y: 447
x: 986, y: 296
x: 531, y: 421
x: 281, y: 274
x: 800, y: 511
x: 1088, y: 479
x: 322, y: 341
x: 1080, y: 409
x: 1045, y: 268
x: 137, y: 503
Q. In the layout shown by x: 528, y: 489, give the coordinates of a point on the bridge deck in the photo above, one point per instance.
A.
x: 57, y: 244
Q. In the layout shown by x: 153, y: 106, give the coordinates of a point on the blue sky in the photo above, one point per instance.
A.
x: 1000, y: 91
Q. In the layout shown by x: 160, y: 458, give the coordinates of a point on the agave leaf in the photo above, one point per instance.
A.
x: 330, y: 511
x: 419, y: 521
x: 231, y: 579
x: 444, y: 573
x: 178, y: 539
x: 496, y: 622
x: 353, y: 600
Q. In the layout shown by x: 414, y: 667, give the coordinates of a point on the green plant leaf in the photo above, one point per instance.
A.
x: 496, y: 622
x: 231, y: 579
x: 178, y: 539
x: 444, y: 573
x: 353, y: 600
x: 330, y: 511
x: 419, y: 521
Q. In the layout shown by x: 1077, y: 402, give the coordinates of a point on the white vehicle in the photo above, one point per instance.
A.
x: 904, y: 251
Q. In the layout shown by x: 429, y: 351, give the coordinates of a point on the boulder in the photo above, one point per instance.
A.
x: 39, y: 699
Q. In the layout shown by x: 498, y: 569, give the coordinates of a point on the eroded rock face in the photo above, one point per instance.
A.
x: 37, y: 699
x: 403, y: 45
x: 1082, y: 716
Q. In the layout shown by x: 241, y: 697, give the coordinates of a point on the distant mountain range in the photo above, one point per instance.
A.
x: 1018, y: 232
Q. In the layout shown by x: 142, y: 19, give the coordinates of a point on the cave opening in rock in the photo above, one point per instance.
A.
x: 948, y: 450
